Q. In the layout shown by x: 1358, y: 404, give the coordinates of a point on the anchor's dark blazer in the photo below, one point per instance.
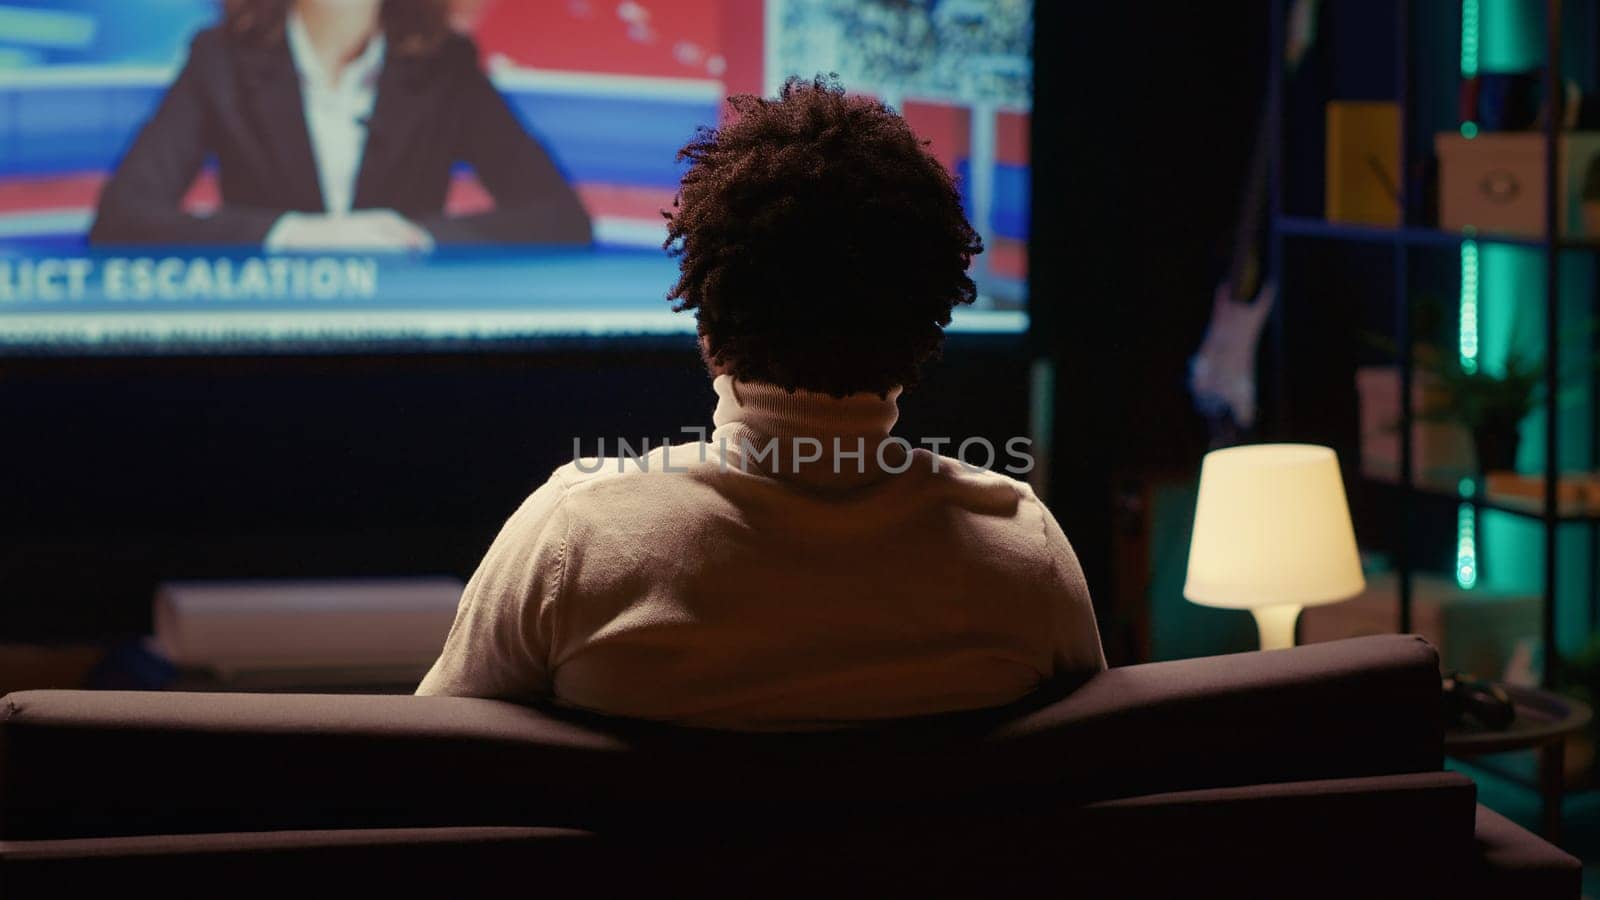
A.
x: 240, y: 105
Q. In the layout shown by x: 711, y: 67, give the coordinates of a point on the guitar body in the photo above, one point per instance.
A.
x: 1222, y: 373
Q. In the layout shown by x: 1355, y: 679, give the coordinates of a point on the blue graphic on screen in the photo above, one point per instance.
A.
x: 76, y: 32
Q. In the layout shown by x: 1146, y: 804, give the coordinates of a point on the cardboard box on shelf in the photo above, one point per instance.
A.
x: 1495, y: 182
x: 1441, y: 452
x: 1475, y: 631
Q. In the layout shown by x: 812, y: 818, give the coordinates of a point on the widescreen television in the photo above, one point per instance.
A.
x: 123, y: 231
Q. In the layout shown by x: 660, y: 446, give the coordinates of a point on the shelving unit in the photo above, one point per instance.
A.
x: 1412, y: 235
x: 1308, y: 227
x: 1532, y: 509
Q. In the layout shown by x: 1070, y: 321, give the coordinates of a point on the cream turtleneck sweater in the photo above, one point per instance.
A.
x: 738, y: 582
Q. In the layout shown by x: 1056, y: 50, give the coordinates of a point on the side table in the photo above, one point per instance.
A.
x: 1543, y: 722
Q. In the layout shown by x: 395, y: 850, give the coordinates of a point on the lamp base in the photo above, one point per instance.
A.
x: 1276, y: 625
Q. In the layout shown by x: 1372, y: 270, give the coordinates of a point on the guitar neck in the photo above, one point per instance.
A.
x: 1244, y: 267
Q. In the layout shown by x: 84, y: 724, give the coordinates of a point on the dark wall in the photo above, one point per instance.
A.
x: 1145, y: 119
x: 119, y: 473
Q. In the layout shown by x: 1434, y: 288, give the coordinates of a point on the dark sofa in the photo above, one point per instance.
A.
x: 1312, y: 772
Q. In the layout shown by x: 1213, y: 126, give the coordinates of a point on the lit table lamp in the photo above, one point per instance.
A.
x: 1272, y: 534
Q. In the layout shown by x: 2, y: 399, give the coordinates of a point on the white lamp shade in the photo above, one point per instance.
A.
x: 1271, y: 528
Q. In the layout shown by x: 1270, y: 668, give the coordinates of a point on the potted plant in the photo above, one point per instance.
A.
x: 1489, y: 405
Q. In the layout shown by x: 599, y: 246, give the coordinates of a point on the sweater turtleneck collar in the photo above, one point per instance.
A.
x: 749, y: 415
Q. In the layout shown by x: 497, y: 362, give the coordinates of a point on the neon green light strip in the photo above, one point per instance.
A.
x: 1466, y: 547
x: 1467, y: 342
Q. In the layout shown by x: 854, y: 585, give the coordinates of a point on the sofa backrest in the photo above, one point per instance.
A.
x: 92, y: 764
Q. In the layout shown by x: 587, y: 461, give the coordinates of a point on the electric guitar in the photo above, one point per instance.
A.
x: 1222, y: 375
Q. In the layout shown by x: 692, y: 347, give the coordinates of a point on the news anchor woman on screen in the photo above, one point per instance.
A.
x: 335, y: 123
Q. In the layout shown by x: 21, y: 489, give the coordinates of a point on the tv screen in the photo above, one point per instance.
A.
x: 185, y: 176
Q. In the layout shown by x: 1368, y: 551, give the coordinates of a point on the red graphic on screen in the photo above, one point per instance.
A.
x: 651, y: 38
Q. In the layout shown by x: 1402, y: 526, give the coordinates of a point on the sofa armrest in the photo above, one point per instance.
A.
x: 1342, y: 709
x: 1411, y: 834
x: 1512, y: 862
